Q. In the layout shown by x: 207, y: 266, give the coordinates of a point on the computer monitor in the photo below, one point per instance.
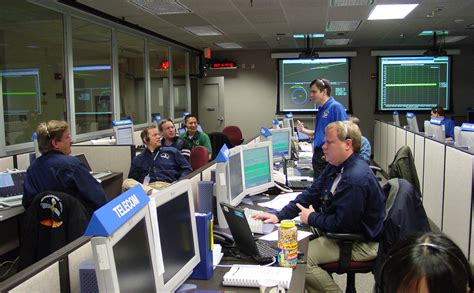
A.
x: 126, y: 260
x: 175, y: 234
x: 289, y: 123
x: 123, y: 130
x: 411, y: 121
x: 396, y: 118
x: 258, y: 167
x: 428, y: 130
x: 235, y: 176
x: 438, y: 132
x: 281, y: 143
x: 457, y: 135
x: 467, y: 134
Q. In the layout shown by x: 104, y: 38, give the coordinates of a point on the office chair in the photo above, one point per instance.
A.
x: 234, y: 134
x: 199, y: 157
x: 404, y: 216
x: 53, y: 220
x: 218, y: 139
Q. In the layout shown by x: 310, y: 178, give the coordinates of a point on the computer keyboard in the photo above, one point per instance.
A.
x: 256, y: 226
x: 101, y: 175
x: 11, y: 201
x: 265, y: 250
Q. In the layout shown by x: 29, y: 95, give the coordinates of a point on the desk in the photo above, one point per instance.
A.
x: 215, y: 283
x: 112, y: 185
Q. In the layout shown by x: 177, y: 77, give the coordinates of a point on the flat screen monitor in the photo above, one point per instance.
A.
x: 295, y: 76
x: 126, y: 260
x: 396, y: 118
x: 467, y: 139
x: 412, y: 123
x: 428, y: 130
x: 413, y: 83
x: 175, y: 234
x: 235, y: 176
x: 438, y: 132
x: 124, y: 134
x: 289, y: 123
x: 281, y: 143
x: 258, y: 165
x: 457, y: 135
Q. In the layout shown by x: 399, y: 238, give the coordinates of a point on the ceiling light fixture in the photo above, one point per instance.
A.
x: 203, y: 31
x: 229, y: 45
x: 391, y: 11
x: 161, y: 7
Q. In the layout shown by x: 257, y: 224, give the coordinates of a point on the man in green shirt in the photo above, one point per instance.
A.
x: 193, y: 136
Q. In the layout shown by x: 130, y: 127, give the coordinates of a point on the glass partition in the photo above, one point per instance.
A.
x: 180, y: 95
x: 159, y: 79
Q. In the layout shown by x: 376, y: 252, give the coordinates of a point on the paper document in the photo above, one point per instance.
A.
x: 280, y: 201
x: 306, y: 147
x: 305, y: 154
x: 274, y: 235
x: 216, y: 255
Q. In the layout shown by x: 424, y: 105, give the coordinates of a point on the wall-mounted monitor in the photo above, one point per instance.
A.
x: 413, y: 83
x: 126, y: 260
x: 295, y: 76
x: 175, y: 235
x: 258, y: 167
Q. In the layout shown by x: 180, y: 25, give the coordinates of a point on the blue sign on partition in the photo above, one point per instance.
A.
x: 395, y: 113
x: 265, y: 132
x: 223, y: 155
x: 107, y: 219
x: 122, y: 122
x: 467, y: 127
x: 435, y: 121
x: 410, y: 115
x: 275, y: 122
x: 289, y: 115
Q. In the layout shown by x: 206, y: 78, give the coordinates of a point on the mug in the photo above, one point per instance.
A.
x: 270, y: 286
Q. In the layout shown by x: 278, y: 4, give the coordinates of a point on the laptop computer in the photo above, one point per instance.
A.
x: 259, y: 250
x: 96, y: 175
x: 11, y: 188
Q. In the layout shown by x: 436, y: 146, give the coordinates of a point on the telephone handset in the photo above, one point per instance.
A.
x: 223, y: 238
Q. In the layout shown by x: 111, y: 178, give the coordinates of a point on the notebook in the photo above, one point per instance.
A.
x: 248, y: 276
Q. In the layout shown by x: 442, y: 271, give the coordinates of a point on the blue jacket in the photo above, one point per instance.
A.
x: 55, y: 171
x: 357, y: 205
x: 331, y: 111
x: 365, y: 149
x: 448, y: 127
x: 164, y: 164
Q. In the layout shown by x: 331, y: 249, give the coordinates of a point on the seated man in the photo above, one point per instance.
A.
x: 55, y: 170
x: 438, y: 112
x: 346, y: 198
x: 365, y: 148
x: 193, y: 136
x: 157, y: 167
x: 169, y: 138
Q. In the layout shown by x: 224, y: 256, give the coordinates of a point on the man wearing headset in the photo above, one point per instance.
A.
x: 157, y: 167
x: 55, y: 170
x: 329, y: 110
x: 169, y: 138
x: 346, y: 198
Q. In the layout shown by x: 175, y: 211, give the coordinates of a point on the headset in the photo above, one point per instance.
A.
x: 400, y: 252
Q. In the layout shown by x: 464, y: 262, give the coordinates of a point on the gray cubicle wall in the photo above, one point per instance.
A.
x: 433, y: 181
x: 377, y: 146
x: 115, y: 158
x: 458, y: 196
x: 419, y: 155
x: 410, y: 141
x: 23, y: 161
x: 391, y: 144
x: 384, y: 147
x: 6, y: 163
x: 400, y: 138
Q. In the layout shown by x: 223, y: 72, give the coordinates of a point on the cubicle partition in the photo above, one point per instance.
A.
x: 6, y: 163
x: 446, y: 176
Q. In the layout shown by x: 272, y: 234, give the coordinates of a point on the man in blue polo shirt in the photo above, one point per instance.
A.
x: 438, y: 112
x: 329, y: 110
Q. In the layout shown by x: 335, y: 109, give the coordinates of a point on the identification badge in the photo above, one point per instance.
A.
x: 146, y: 181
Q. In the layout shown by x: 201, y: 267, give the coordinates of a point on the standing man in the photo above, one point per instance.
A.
x: 55, y: 170
x: 346, y: 198
x: 157, y: 167
x: 438, y: 112
x: 329, y: 110
x: 193, y: 136
x: 168, y: 132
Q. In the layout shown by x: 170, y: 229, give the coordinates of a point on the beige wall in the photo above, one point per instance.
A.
x: 251, y: 93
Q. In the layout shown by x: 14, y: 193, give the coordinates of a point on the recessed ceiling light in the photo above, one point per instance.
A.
x: 430, y: 33
x: 229, y: 45
x: 391, y: 11
x: 203, y: 30
x: 343, y: 25
x: 451, y: 39
x: 336, y: 42
x: 160, y: 7
x: 351, y: 2
x: 310, y: 35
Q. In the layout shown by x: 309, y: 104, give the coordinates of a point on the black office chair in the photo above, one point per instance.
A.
x: 404, y: 216
x: 403, y: 166
x: 53, y: 220
x: 218, y: 139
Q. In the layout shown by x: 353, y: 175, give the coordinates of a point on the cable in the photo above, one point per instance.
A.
x: 287, y: 189
x: 9, y: 269
x: 244, y: 265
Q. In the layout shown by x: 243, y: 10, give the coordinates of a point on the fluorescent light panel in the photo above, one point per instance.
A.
x: 351, y: 2
x: 336, y: 42
x: 430, y: 33
x: 343, y: 25
x: 161, y: 7
x: 229, y: 45
x: 391, y: 11
x: 310, y: 35
x: 203, y: 31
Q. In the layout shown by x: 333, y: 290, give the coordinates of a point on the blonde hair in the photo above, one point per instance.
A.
x: 347, y: 130
x: 49, y: 131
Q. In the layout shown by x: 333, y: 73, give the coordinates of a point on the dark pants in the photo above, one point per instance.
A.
x: 319, y: 162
